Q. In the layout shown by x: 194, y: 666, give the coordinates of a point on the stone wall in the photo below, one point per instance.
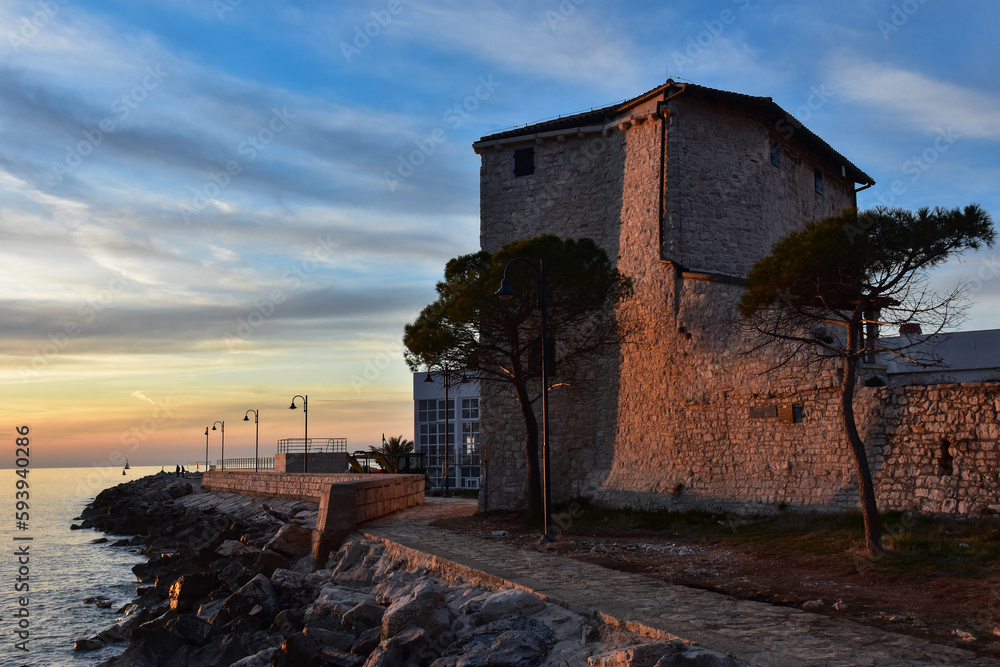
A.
x: 937, y: 447
x: 727, y: 204
x: 685, y: 416
x: 372, y: 496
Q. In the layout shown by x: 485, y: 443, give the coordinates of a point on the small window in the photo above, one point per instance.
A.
x: 775, y: 153
x: 819, y: 182
x: 524, y: 161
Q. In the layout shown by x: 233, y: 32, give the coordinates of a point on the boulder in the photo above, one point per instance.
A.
x: 412, y: 646
x: 508, y: 602
x: 180, y: 489
x: 289, y: 621
x: 291, y: 540
x: 236, y: 549
x: 699, y: 657
x: 190, y: 588
x: 222, y: 651
x: 509, y: 642
x: 299, y: 650
x: 363, y: 616
x: 268, y: 561
x: 342, y: 641
x: 256, y: 599
x: 329, y: 607
x: 91, y: 644
x: 259, y: 659
x: 283, y: 579
x: 424, y: 608
x: 367, y: 642
x: 192, y: 628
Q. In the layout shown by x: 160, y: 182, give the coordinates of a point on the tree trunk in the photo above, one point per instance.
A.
x: 869, y: 506
x: 530, y: 449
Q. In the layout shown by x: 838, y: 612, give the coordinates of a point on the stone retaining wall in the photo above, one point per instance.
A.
x: 372, y: 496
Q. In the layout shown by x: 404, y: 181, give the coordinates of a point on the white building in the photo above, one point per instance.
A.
x: 431, y: 415
x: 966, y: 356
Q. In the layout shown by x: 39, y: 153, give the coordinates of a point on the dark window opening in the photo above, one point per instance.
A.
x: 819, y: 182
x: 775, y: 153
x: 945, y: 461
x: 524, y: 161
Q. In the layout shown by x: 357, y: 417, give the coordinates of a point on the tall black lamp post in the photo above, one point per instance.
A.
x: 305, y: 412
x: 256, y: 441
x: 223, y: 442
x: 507, y: 292
x: 206, y: 449
x: 446, y: 378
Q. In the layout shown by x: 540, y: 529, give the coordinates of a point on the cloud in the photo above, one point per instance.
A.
x: 569, y: 43
x: 917, y: 100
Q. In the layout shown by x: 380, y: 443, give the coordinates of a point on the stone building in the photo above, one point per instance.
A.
x: 685, y: 187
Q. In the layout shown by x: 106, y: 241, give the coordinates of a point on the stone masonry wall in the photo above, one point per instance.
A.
x: 374, y: 495
x: 727, y: 204
x: 683, y: 416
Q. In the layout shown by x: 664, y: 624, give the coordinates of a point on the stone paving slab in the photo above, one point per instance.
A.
x: 753, y: 632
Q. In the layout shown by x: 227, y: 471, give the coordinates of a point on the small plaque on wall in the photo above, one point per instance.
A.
x: 790, y: 414
x: 763, y: 411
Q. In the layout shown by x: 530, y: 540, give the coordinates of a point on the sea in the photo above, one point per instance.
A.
x: 44, y: 580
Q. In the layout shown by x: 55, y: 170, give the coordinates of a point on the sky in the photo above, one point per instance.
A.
x: 212, y: 206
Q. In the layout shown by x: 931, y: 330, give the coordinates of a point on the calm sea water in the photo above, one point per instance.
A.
x: 65, y: 566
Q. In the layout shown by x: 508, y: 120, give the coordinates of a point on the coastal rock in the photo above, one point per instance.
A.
x: 190, y: 588
x: 236, y: 549
x: 291, y: 540
x: 256, y: 600
x: 298, y: 650
x: 424, y: 608
x: 260, y: 659
x: 342, y: 641
x: 363, y: 616
x: 289, y: 621
x: 222, y: 651
x: 401, y: 649
x: 508, y: 642
x: 699, y: 657
x: 329, y: 607
x: 232, y: 574
x: 513, y: 601
x: 180, y: 489
x: 367, y: 642
x: 91, y: 644
x: 268, y: 561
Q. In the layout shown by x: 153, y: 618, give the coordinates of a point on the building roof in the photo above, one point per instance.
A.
x: 958, y: 351
x: 761, y: 106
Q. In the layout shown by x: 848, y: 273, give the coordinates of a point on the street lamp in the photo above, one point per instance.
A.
x: 223, y: 441
x: 305, y: 411
x: 206, y: 449
x: 506, y: 292
x: 446, y: 375
x: 256, y: 442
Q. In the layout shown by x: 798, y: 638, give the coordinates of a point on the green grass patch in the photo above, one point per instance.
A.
x: 914, y: 544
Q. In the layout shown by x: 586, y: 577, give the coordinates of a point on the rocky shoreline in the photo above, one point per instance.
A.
x: 223, y: 590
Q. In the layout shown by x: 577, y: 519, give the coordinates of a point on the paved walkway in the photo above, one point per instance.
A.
x: 754, y: 632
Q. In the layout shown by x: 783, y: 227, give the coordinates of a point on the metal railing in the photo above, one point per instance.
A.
x: 263, y: 463
x: 316, y: 445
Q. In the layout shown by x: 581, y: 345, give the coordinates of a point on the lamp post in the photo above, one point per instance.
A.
x: 223, y: 459
x: 305, y: 412
x: 446, y: 381
x: 206, y: 449
x: 256, y: 441
x: 506, y: 292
